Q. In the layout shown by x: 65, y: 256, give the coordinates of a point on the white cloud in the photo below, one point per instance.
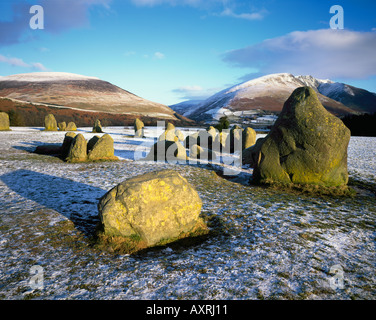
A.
x: 324, y: 53
x: 247, y: 16
x: 194, y: 92
x: 17, y: 62
x: 159, y: 55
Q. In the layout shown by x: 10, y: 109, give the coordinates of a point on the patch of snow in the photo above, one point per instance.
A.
x: 46, y: 76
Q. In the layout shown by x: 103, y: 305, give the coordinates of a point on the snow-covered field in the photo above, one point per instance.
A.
x: 264, y: 244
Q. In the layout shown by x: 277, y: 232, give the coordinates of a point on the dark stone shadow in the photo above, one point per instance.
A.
x: 76, y: 201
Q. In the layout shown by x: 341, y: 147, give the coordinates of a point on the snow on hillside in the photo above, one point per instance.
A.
x: 46, y: 76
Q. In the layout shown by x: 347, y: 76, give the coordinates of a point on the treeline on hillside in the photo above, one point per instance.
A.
x: 361, y: 125
x: 29, y: 114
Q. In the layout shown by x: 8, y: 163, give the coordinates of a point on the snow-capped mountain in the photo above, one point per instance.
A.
x: 79, y: 92
x: 184, y: 106
x: 269, y: 93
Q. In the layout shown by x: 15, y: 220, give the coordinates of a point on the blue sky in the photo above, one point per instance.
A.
x: 173, y: 50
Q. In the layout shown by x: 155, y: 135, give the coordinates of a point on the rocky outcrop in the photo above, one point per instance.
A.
x: 307, y: 145
x: 78, y: 149
x: 152, y: 209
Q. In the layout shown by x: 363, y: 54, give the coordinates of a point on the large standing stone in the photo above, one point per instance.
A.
x: 138, y: 128
x: 154, y: 208
x: 4, y: 121
x: 78, y: 149
x: 50, y: 123
x: 306, y: 145
x: 103, y: 149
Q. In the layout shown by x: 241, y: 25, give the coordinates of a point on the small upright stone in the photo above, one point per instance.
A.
x: 97, y: 128
x: 138, y: 128
x: 4, y: 121
x: 103, y: 149
x: 68, y: 140
x: 78, y: 149
x: 71, y: 127
x: 62, y: 126
x: 50, y: 123
x: 249, y: 138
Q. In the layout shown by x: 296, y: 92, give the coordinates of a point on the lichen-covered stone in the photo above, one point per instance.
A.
x: 78, y: 149
x: 180, y: 135
x: 190, y: 140
x: 71, y: 126
x: 306, y: 145
x: 50, y: 123
x: 248, y: 138
x: 62, y: 126
x: 97, y: 128
x: 197, y: 152
x: 68, y: 140
x: 155, y: 208
x: 165, y: 150
x: 138, y: 128
x: 4, y: 121
x: 91, y: 143
x: 103, y: 149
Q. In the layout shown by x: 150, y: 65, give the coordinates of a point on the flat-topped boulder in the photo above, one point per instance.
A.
x: 152, y: 209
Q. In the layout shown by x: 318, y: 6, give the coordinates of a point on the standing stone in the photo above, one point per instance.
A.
x: 62, y: 126
x: 4, y: 121
x: 138, y: 128
x: 50, y: 123
x: 197, y: 152
x: 68, y: 140
x: 166, y: 150
x: 103, y: 149
x: 306, y: 145
x: 97, y: 128
x: 152, y: 209
x: 78, y: 149
x: 249, y: 138
x: 91, y: 143
x: 180, y: 135
x: 71, y: 127
x: 170, y: 126
x: 191, y: 140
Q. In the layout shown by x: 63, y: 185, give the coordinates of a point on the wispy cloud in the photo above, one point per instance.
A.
x: 323, y: 53
x: 194, y: 92
x: 17, y: 62
x: 159, y: 55
x: 247, y: 16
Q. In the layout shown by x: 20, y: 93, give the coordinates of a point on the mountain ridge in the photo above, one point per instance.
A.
x: 268, y: 93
